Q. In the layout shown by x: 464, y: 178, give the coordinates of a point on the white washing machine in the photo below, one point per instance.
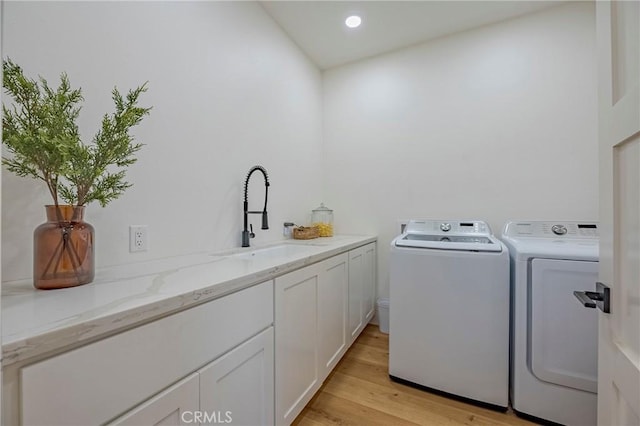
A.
x: 449, y: 310
x: 554, y: 353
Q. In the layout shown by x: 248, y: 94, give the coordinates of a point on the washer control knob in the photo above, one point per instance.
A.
x: 445, y: 227
x: 559, y: 229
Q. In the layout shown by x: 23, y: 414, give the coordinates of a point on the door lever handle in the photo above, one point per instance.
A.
x: 600, y: 298
x: 586, y: 301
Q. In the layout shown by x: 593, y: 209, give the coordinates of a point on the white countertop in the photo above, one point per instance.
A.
x: 36, y: 322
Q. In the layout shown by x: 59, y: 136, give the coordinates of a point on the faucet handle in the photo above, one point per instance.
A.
x: 251, y: 233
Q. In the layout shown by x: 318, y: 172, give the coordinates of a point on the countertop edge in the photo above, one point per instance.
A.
x: 67, y: 338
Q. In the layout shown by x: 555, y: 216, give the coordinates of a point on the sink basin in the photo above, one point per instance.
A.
x: 275, y: 252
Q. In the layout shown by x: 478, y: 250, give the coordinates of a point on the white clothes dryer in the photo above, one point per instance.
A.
x: 554, y: 340
x: 449, y: 310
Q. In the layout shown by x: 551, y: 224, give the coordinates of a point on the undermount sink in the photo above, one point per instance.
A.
x: 279, y: 251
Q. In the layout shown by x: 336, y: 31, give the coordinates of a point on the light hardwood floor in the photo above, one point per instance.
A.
x: 359, y: 392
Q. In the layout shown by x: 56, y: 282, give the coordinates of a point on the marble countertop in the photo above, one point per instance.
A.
x: 37, y: 322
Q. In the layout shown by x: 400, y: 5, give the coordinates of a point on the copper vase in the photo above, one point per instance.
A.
x: 63, y: 249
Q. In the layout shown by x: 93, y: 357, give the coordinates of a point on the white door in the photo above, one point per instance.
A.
x: 237, y: 388
x: 618, y: 38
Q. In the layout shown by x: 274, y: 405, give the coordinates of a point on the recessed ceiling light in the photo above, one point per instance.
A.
x: 353, y: 21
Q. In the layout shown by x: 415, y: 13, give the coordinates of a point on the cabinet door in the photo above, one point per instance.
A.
x: 296, y: 325
x: 177, y: 405
x: 237, y: 388
x: 356, y: 292
x: 332, y: 312
x: 369, y: 281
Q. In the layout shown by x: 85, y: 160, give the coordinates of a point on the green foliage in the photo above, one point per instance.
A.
x: 41, y: 133
x: 40, y: 129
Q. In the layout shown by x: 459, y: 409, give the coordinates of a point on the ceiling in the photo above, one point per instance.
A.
x: 318, y: 26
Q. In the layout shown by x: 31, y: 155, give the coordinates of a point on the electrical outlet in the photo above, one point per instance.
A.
x: 138, y: 238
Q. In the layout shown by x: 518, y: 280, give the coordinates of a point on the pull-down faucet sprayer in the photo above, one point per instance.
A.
x: 265, y: 221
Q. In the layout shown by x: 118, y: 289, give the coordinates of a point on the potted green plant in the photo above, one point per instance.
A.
x: 42, y: 138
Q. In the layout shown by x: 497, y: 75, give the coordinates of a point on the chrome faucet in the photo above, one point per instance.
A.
x: 265, y: 221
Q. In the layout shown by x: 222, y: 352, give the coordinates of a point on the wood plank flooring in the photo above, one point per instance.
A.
x: 359, y: 392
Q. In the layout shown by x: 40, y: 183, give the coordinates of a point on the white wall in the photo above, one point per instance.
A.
x: 228, y: 90
x: 497, y: 123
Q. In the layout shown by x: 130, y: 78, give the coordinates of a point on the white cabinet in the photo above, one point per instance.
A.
x: 98, y: 382
x: 314, y: 323
x: 237, y: 388
x: 296, y: 323
x: 175, y: 406
x: 253, y: 357
x: 356, y: 293
x: 362, y: 288
x: 332, y: 312
x: 369, y: 282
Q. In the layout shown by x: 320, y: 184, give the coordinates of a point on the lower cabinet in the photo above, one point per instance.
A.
x: 370, y: 282
x: 253, y: 357
x: 174, y: 406
x: 332, y: 313
x: 236, y: 388
x: 223, y: 347
x: 356, y: 293
x: 362, y: 288
x: 297, y: 345
x: 319, y: 311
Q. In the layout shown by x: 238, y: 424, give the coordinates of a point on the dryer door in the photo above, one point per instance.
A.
x: 563, y: 336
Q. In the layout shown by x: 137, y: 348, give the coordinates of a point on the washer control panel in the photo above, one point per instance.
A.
x: 552, y: 229
x: 446, y: 227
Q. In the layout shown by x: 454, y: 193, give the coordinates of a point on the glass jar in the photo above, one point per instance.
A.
x: 288, y: 229
x: 322, y: 218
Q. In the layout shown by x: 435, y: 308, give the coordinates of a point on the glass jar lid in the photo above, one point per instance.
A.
x: 322, y: 209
